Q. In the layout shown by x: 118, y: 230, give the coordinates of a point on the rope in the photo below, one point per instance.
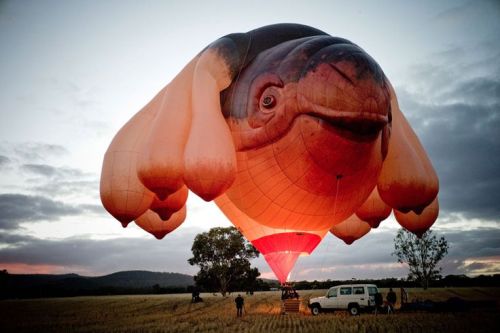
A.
x: 338, y: 178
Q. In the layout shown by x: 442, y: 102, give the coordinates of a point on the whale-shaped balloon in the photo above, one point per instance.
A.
x: 288, y: 128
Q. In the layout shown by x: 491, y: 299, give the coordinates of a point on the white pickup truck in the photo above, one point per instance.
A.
x: 350, y: 297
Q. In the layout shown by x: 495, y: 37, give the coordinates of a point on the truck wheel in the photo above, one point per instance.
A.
x: 354, y: 310
x: 315, y: 310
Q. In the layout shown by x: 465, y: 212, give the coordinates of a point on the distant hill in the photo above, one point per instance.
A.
x: 127, y: 282
x: 130, y: 279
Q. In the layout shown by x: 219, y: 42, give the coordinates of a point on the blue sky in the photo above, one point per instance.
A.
x: 73, y: 72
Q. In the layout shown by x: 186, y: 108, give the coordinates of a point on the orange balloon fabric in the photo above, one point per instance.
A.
x: 173, y: 203
x: 160, y: 166
x: 374, y: 210
x: 408, y: 180
x: 122, y: 193
x: 280, y: 247
x: 152, y: 223
x: 209, y: 159
x: 282, y: 184
x: 419, y: 223
x: 351, y: 229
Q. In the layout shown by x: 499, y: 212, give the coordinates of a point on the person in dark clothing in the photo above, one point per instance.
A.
x: 195, y: 296
x: 288, y: 292
x: 391, y: 301
x: 239, y: 305
x: 378, y: 302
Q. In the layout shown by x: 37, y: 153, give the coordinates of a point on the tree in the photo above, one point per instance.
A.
x: 421, y: 254
x: 223, y: 257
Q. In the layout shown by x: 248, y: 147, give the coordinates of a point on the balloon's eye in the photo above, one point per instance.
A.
x: 268, y: 101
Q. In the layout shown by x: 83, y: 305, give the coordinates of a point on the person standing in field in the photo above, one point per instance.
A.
x: 378, y: 302
x: 239, y: 305
x: 391, y: 301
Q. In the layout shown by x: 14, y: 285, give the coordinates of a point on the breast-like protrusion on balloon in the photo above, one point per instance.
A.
x: 122, y: 193
x: 209, y: 158
x: 419, y: 223
x: 351, y: 229
x: 374, y: 210
x: 408, y: 180
x: 161, y: 163
x: 171, y: 204
x: 152, y: 223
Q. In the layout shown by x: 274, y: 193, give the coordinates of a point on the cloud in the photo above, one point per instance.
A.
x: 18, y: 208
x: 29, y: 171
x: 472, y: 11
x: 370, y: 256
x: 470, y: 20
x: 50, y: 171
x: 477, y: 266
x: 474, y: 243
x: 455, y: 110
x: 68, y: 187
x: 102, y: 256
x: 94, y: 209
x: 40, y: 169
x: 472, y: 252
x: 4, y: 160
x: 37, y: 151
x: 29, y: 153
x: 9, y: 238
x: 61, y: 182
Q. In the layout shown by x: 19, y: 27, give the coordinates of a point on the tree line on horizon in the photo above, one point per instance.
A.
x: 11, y: 288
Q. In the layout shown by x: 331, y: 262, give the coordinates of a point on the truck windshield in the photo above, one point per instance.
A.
x: 332, y: 292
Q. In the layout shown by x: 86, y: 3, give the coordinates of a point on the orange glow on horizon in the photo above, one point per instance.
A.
x: 23, y: 268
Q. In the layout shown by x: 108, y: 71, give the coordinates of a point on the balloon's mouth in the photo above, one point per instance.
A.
x: 357, y: 124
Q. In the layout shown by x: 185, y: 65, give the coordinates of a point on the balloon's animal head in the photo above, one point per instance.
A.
x: 325, y: 83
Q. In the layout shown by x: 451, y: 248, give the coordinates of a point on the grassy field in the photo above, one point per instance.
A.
x: 175, y: 313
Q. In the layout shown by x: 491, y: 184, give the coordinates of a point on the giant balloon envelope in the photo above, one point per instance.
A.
x: 288, y: 128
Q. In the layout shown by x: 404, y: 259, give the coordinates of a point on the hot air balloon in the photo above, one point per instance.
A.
x: 286, y: 127
x: 374, y: 210
x: 152, y: 223
x: 418, y: 223
x: 351, y: 229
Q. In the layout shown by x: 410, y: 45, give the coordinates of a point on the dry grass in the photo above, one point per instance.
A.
x: 175, y: 313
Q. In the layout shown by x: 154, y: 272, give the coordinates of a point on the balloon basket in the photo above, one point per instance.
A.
x: 291, y: 305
